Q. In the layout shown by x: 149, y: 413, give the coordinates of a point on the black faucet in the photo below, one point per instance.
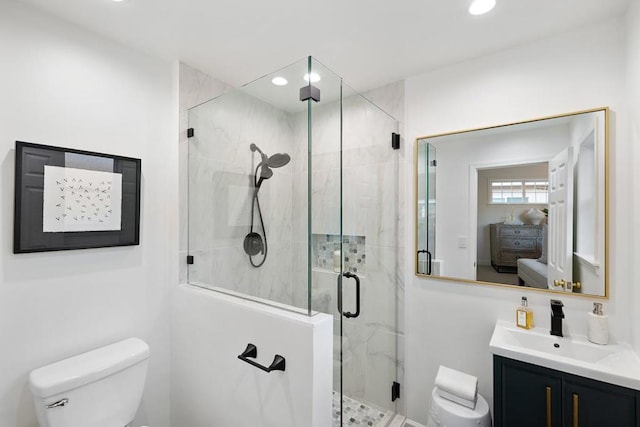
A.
x: 556, y: 317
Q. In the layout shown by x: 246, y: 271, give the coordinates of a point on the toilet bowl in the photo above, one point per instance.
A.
x: 445, y: 413
x: 100, y: 388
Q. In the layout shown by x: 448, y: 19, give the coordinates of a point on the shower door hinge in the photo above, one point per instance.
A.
x: 190, y: 133
x: 395, y: 141
x: 189, y: 259
x: 395, y: 391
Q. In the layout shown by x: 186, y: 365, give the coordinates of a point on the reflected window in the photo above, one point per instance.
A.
x: 518, y: 191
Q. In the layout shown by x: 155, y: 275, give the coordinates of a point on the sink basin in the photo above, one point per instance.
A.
x: 613, y: 363
x: 557, y: 346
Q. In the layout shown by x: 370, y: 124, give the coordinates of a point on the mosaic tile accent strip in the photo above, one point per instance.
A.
x: 355, y: 258
x: 355, y: 413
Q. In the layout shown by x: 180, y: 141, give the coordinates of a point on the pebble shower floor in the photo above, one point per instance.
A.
x: 356, y: 413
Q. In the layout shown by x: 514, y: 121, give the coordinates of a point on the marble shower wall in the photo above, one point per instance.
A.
x: 220, y: 193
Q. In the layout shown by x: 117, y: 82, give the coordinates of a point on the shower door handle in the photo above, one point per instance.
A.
x: 429, y: 261
x: 349, y: 275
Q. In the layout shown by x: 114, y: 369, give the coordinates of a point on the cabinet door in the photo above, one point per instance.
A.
x: 525, y: 395
x: 588, y: 403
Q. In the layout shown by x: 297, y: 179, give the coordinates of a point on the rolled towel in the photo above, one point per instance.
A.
x: 471, y: 404
x: 457, y: 383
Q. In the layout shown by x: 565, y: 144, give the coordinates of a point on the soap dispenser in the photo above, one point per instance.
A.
x: 598, y: 325
x: 524, y: 315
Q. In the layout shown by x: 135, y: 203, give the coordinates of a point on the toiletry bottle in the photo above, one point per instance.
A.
x: 524, y: 315
x: 336, y: 260
x: 598, y: 325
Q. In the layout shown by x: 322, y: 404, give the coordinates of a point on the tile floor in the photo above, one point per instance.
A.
x: 357, y: 413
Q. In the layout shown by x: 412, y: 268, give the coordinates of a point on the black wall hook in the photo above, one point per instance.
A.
x: 278, y: 364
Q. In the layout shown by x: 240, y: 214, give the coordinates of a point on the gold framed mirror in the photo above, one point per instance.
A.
x: 520, y: 204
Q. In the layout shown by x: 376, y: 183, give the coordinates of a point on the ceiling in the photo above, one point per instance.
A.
x: 368, y: 42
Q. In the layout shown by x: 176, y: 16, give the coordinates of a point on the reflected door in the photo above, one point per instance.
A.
x: 560, y: 241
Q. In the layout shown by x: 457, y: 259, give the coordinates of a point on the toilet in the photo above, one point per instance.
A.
x: 446, y: 413
x: 100, y: 388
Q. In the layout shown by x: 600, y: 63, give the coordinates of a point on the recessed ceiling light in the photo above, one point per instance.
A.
x: 480, y: 7
x: 118, y: 1
x: 279, y: 81
x: 313, y: 77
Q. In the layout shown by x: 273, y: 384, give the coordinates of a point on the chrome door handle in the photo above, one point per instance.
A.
x: 58, y: 404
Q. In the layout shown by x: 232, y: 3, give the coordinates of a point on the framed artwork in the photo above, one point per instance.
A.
x: 73, y: 199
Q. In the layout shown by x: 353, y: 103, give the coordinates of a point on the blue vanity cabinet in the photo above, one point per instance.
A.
x: 589, y: 403
x: 525, y: 395
x: 529, y: 395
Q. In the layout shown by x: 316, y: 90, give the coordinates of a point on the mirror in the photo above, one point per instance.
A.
x: 521, y: 204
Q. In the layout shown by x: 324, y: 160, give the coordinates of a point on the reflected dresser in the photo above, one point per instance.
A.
x: 509, y: 242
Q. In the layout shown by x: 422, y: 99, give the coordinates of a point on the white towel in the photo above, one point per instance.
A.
x: 471, y: 404
x: 457, y: 383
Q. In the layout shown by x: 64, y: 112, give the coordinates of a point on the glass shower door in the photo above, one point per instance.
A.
x: 371, y: 266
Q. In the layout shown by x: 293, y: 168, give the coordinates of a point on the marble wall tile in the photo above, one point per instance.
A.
x: 354, y: 366
x: 383, y: 297
x: 381, y: 357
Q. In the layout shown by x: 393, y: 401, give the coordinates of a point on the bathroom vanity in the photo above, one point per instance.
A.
x: 543, y: 380
x: 531, y: 395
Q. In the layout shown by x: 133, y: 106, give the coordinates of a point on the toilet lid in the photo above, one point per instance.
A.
x: 481, y: 410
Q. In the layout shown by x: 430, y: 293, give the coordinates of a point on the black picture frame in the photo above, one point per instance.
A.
x: 30, y: 163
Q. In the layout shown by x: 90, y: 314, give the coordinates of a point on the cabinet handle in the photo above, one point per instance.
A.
x: 575, y: 410
x: 548, y: 406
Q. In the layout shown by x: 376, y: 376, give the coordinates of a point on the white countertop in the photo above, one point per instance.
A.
x: 613, y: 363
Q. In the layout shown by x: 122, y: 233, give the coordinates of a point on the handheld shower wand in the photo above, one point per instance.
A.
x: 255, y: 243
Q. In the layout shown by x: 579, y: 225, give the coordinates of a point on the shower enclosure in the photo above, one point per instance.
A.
x: 294, y: 202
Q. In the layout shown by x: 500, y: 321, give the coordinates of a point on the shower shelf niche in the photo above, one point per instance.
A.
x: 355, y: 257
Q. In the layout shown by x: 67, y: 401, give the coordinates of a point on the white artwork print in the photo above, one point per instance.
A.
x: 81, y: 200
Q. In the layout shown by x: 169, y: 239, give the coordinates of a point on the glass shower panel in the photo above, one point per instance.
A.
x: 248, y: 191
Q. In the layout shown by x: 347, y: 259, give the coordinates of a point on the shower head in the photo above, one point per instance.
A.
x: 267, y: 162
x: 278, y: 160
x: 265, y: 172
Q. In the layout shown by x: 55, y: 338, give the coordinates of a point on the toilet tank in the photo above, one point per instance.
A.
x: 100, y: 388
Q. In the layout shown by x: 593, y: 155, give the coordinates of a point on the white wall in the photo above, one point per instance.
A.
x: 66, y: 87
x: 211, y: 387
x: 451, y: 323
x: 633, y: 94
